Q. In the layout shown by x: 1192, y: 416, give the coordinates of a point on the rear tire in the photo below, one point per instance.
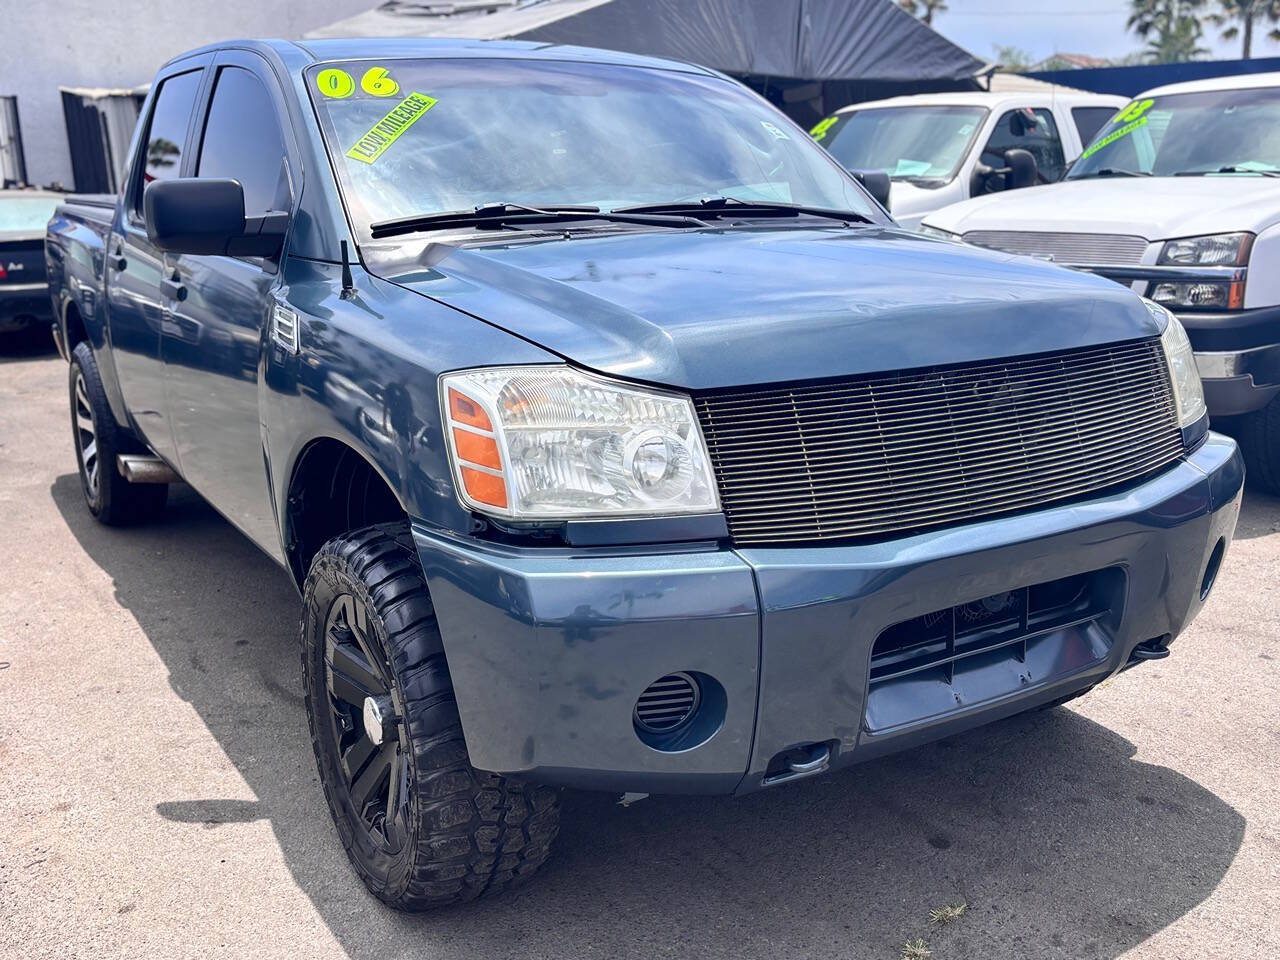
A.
x: 98, y: 440
x: 421, y: 826
x: 1260, y: 443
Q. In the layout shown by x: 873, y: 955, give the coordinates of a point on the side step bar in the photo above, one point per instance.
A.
x: 139, y: 468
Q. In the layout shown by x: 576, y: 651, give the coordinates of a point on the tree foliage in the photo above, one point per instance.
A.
x: 1236, y: 18
x: 924, y: 9
x: 1172, y: 28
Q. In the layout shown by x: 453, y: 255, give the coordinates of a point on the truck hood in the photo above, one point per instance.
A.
x: 1157, y: 208
x: 700, y: 309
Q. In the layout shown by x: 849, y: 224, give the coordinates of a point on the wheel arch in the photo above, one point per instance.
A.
x: 334, y: 488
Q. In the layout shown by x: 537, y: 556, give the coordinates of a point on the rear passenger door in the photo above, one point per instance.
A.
x: 135, y: 269
x: 214, y: 347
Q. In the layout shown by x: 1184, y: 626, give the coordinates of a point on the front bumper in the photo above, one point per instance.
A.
x: 1238, y: 356
x: 549, y: 649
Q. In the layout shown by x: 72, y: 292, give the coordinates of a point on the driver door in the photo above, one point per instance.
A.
x: 1040, y: 138
x: 213, y: 349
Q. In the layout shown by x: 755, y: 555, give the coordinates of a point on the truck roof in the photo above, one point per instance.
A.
x: 1243, y: 81
x: 993, y: 100
x: 307, y: 52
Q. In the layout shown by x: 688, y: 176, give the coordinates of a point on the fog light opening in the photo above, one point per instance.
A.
x: 1211, y: 568
x: 679, y: 711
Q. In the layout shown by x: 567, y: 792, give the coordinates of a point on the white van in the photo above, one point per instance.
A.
x: 940, y: 148
x: 1179, y: 195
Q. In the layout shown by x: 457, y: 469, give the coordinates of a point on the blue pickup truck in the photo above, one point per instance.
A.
x: 614, y: 437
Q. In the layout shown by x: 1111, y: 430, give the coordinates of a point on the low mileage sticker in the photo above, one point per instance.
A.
x: 389, y: 129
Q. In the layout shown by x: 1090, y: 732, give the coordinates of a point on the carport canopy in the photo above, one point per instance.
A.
x: 785, y: 41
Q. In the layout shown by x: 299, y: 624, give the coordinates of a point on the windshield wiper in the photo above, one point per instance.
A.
x: 501, y: 215
x: 732, y: 206
x: 1227, y: 169
x: 1112, y: 172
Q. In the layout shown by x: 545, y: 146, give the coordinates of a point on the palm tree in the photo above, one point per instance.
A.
x: 1245, y: 12
x: 1171, y: 28
x: 924, y: 9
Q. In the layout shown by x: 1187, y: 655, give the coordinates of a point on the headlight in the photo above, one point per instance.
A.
x: 1215, y: 250
x: 938, y: 232
x: 550, y: 442
x: 1187, y: 389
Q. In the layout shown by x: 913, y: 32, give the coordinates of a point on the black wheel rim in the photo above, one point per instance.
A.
x: 86, y: 439
x: 375, y: 776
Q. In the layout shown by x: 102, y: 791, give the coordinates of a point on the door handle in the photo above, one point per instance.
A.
x: 116, y: 257
x: 174, y: 288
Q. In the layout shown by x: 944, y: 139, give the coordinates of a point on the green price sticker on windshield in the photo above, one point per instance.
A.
x: 1134, y: 117
x: 820, y: 130
x: 390, y: 128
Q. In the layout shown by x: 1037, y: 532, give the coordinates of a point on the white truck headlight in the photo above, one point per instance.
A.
x: 552, y: 442
x: 1187, y: 389
x: 1214, y: 250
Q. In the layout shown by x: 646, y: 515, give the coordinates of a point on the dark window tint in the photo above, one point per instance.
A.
x: 168, y: 130
x: 1089, y: 120
x: 242, y: 140
x: 1034, y: 132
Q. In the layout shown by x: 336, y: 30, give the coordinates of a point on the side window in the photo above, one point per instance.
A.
x: 243, y: 141
x: 1030, y: 130
x: 167, y: 131
x: 1089, y: 120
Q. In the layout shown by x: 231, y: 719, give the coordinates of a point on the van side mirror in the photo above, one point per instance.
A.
x: 194, y: 215
x: 876, y: 182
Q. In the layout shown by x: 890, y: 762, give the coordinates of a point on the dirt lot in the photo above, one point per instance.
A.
x: 159, y: 796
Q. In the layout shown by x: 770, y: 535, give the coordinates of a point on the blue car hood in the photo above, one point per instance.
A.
x: 701, y: 309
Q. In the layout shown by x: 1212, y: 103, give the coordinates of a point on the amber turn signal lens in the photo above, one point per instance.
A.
x: 485, y: 487
x: 476, y: 448
x: 462, y: 409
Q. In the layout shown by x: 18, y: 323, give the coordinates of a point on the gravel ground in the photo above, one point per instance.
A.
x: 160, y: 798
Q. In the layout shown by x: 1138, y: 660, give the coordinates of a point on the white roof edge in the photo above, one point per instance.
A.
x: 1237, y: 81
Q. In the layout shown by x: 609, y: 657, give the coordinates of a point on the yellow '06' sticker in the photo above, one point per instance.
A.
x: 389, y: 129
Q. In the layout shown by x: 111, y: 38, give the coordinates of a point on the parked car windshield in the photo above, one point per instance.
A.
x: 413, y: 137
x: 1209, y: 133
x: 919, y: 142
x: 25, y: 213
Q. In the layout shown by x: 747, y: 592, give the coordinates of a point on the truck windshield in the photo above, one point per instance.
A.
x: 1215, y: 132
x: 908, y: 143
x: 415, y: 137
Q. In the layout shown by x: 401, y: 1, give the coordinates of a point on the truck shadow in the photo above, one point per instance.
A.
x: 1061, y: 843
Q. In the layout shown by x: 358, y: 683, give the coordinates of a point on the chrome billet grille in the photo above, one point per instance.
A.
x: 894, y: 453
x: 1083, y: 248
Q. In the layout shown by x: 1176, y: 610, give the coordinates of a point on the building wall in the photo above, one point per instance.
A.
x: 100, y: 43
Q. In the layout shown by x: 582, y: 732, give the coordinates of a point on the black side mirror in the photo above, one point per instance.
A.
x: 1022, y: 168
x: 202, y: 216
x: 876, y: 182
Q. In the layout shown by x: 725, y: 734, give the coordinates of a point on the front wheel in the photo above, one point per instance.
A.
x: 421, y: 826
x: 1259, y: 434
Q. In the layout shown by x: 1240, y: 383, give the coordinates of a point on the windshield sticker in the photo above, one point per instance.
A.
x: 1115, y: 135
x: 773, y: 131
x: 1133, y: 111
x: 820, y: 131
x: 335, y: 83
x: 388, y: 130
x: 377, y: 82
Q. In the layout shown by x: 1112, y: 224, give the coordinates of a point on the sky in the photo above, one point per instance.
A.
x: 1095, y: 27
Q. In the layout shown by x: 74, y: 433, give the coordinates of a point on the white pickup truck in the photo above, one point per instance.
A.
x: 1178, y: 195
x: 941, y: 148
